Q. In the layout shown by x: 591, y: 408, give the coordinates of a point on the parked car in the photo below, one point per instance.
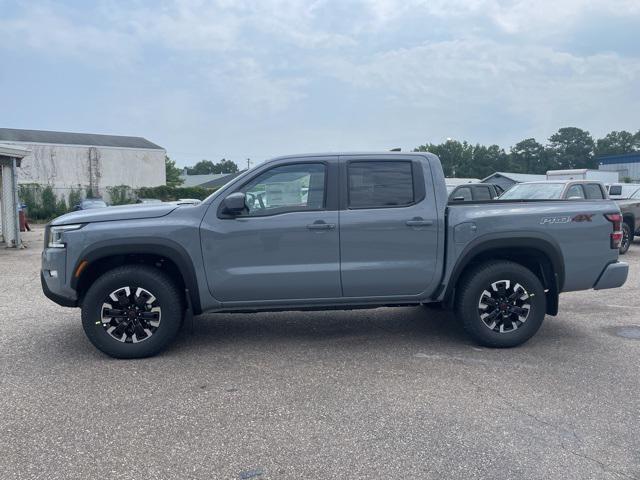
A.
x: 373, y: 230
x: 620, y: 191
x: 630, y: 209
x: 556, y: 190
x: 473, y: 192
x: 90, y: 203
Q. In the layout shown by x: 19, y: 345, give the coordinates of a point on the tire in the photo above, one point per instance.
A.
x: 627, y: 238
x: 516, y: 319
x: 149, y: 314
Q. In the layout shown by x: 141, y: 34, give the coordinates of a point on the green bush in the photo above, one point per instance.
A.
x: 120, y: 195
x: 168, y: 194
x: 49, y: 203
x: 61, y: 207
x: 75, y: 197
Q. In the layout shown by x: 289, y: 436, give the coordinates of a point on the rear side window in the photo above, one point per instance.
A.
x: 593, y: 191
x: 575, y: 191
x: 380, y: 184
x: 482, y: 193
x: 464, y: 193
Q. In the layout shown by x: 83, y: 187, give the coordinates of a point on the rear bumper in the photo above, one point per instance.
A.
x: 613, y: 276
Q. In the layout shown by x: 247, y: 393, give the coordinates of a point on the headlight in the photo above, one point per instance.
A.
x: 55, y: 235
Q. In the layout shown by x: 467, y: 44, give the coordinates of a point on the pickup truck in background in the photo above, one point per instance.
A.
x: 557, y: 190
x: 630, y: 209
x: 473, y: 192
x: 327, y: 231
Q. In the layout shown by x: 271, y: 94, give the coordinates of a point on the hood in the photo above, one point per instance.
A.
x: 125, y: 212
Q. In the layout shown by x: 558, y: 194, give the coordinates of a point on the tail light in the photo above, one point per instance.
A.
x: 616, y: 236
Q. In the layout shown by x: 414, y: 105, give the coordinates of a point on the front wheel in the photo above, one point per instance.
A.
x: 627, y: 238
x: 500, y: 304
x: 132, y: 312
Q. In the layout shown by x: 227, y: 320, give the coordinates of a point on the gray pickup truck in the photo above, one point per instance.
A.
x: 328, y: 231
x: 630, y: 209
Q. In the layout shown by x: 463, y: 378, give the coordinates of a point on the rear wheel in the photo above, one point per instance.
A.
x: 627, y: 238
x: 500, y: 304
x: 132, y: 312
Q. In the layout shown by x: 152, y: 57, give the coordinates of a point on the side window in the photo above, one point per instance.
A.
x: 593, y: 191
x: 481, y: 193
x: 464, y: 193
x: 575, y: 191
x: 289, y: 188
x: 380, y: 184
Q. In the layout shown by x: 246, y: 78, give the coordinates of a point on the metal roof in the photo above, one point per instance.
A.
x: 197, y: 180
x: 13, y: 151
x: 69, y: 138
x: 218, y: 182
x: 517, y: 177
x: 618, y: 159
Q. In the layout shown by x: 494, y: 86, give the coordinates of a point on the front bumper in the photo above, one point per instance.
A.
x: 64, y: 301
x: 613, y: 276
x: 53, y: 278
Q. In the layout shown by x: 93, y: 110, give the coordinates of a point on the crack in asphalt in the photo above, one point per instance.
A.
x: 560, y: 431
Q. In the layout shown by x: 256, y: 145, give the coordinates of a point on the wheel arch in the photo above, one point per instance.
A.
x: 539, y: 254
x: 163, y: 253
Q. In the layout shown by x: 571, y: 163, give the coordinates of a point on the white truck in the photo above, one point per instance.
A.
x: 584, y: 174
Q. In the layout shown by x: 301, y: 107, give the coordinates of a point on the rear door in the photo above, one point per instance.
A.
x: 388, y: 226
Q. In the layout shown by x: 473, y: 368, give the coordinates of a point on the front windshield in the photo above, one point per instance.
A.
x: 533, y: 191
x: 636, y: 195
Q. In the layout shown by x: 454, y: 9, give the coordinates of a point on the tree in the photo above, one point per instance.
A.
x: 615, y: 143
x: 528, y: 156
x: 456, y: 157
x: 487, y: 160
x: 172, y: 172
x: 207, y: 167
x: 571, y: 147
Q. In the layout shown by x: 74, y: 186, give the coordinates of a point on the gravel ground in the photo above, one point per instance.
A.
x: 385, y: 393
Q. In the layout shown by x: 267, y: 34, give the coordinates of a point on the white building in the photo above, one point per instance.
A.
x: 627, y: 165
x: 92, y: 162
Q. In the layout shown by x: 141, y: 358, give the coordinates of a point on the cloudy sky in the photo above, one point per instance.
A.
x: 238, y: 79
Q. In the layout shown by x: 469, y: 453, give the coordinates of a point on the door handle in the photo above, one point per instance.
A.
x: 320, y: 225
x: 419, y: 222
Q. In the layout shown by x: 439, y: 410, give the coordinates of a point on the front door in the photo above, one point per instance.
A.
x: 388, y: 227
x: 285, y: 246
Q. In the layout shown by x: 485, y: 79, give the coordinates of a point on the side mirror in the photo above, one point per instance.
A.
x: 235, y: 203
x: 76, y: 208
x: 458, y: 199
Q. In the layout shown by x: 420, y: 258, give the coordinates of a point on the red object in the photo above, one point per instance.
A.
x: 23, y: 221
x: 616, y: 236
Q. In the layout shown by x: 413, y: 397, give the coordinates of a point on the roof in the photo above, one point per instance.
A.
x: 633, y: 157
x: 563, y: 181
x: 220, y: 181
x: 197, y: 180
x: 516, y: 177
x: 13, y: 151
x: 460, y: 181
x: 69, y: 138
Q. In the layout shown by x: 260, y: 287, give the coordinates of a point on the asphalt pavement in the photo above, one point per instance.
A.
x: 384, y: 393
